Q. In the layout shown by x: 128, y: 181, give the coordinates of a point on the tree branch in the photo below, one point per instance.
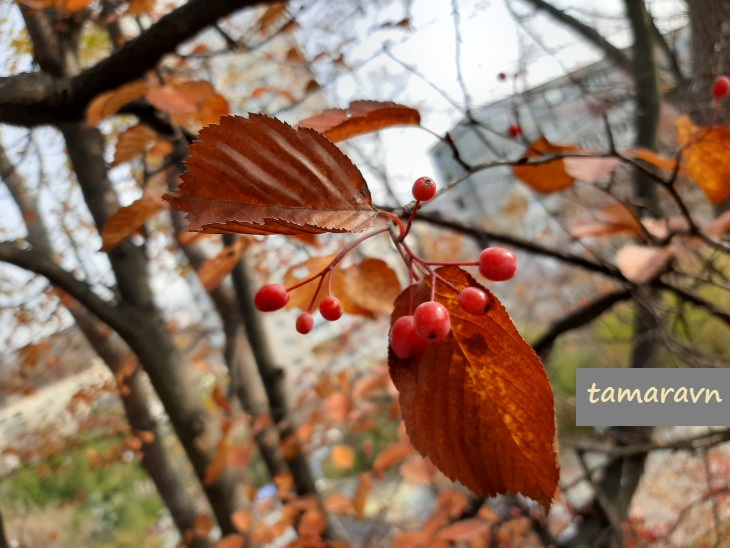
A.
x: 30, y: 99
x: 621, y: 60
x: 39, y: 263
x: 577, y: 318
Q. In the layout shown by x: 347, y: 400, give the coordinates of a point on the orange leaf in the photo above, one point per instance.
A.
x: 258, y: 175
x: 343, y: 457
x: 362, y: 492
x: 272, y: 14
x: 370, y: 284
x: 479, y: 403
x: 590, y: 170
x: 213, y: 271
x: 110, y: 102
x: 301, y: 297
x: 128, y: 219
x: 549, y: 176
x: 140, y: 7
x: 218, y: 463
x: 468, y: 530
x: 655, y: 159
x: 189, y: 103
x: 312, y: 523
x: 231, y: 541
x: 242, y: 520
x: 133, y: 142
x: 337, y: 503
x: 611, y: 219
x: 640, y: 263
x: 203, y: 525
x: 337, y: 407
x: 361, y: 117
x: 392, y: 455
x: 706, y: 155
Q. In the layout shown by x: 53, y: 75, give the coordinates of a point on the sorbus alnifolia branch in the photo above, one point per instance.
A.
x: 430, y: 320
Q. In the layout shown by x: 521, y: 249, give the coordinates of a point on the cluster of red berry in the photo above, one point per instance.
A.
x: 430, y: 322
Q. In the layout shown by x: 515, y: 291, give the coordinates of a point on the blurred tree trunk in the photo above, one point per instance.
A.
x: 3, y: 537
x: 54, y: 47
x: 167, y: 480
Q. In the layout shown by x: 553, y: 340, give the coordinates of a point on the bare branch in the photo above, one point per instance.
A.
x: 590, y: 34
x: 30, y: 99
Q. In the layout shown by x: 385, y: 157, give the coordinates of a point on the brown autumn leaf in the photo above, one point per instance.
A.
x: 640, y: 263
x: 337, y: 503
x: 242, y: 520
x: 473, y: 531
x: 128, y: 219
x: 258, y: 175
x: 140, y: 7
x: 203, y: 525
x: 61, y: 5
x: 549, y: 176
x: 110, y: 102
x: 392, y: 455
x: 343, y: 457
x: 189, y: 103
x: 651, y: 157
x: 370, y: 284
x: 302, y: 297
x: 272, y: 14
x: 231, y: 541
x: 337, y: 406
x: 361, y: 117
x: 706, y: 156
x: 479, y: 403
x: 218, y: 463
x: 590, y: 170
x: 312, y: 524
x: 611, y: 219
x: 133, y: 142
x: 213, y: 271
x: 362, y: 492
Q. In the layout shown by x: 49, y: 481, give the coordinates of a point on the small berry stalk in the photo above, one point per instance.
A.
x: 429, y: 322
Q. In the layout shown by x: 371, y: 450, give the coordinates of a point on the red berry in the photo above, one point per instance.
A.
x: 497, y: 264
x: 404, y: 340
x: 424, y: 189
x: 721, y: 87
x: 305, y: 323
x: 330, y: 308
x: 271, y: 297
x: 515, y: 131
x: 502, y: 76
x: 474, y: 301
x: 432, y: 321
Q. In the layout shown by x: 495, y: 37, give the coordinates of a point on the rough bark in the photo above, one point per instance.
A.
x: 272, y: 377
x: 146, y: 334
x: 113, y: 352
x: 239, y: 371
